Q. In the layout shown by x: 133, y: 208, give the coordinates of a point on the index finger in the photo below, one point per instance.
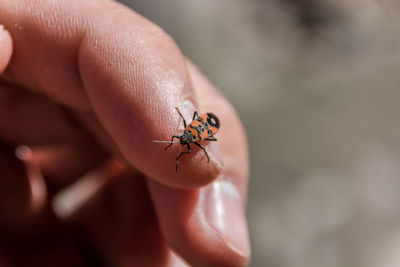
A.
x: 103, y: 58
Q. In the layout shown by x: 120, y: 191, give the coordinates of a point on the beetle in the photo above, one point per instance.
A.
x: 201, y: 128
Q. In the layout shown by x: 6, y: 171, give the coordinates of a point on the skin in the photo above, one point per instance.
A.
x: 86, y: 86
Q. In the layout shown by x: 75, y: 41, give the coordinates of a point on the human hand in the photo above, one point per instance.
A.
x: 90, y: 85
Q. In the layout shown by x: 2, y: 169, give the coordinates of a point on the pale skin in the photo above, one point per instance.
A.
x: 87, y: 85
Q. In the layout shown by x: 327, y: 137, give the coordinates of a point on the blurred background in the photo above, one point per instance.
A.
x: 316, y: 83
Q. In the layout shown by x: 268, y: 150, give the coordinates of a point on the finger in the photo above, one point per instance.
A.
x: 5, y: 48
x: 207, y: 226
x: 22, y: 189
x: 103, y: 57
x: 232, y: 141
x: 32, y: 119
x: 61, y: 147
x: 65, y: 163
x: 119, y: 220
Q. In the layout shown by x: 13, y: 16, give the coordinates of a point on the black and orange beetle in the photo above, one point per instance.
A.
x: 201, y: 128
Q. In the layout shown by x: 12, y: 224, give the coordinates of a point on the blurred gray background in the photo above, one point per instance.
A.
x: 316, y: 83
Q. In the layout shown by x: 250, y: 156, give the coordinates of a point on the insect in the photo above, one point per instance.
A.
x: 201, y: 128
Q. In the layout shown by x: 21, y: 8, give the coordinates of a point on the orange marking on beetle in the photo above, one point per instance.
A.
x: 204, y: 116
x: 213, y: 130
x: 195, y: 123
x: 204, y: 134
x: 193, y: 132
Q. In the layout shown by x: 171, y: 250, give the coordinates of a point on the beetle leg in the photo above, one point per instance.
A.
x: 181, y: 153
x: 205, y: 151
x: 180, y: 114
x: 195, y: 114
x: 172, y: 139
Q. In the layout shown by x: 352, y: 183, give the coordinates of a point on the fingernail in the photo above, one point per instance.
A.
x: 225, y: 213
x: 37, y: 185
x: 187, y: 110
x: 215, y: 156
x: 5, y: 48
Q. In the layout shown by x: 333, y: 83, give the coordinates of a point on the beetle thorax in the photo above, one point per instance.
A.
x: 186, y: 137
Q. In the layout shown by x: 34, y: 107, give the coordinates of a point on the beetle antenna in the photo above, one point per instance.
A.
x: 165, y: 142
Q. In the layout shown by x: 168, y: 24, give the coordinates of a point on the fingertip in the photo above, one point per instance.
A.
x: 5, y: 48
x: 195, y: 169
